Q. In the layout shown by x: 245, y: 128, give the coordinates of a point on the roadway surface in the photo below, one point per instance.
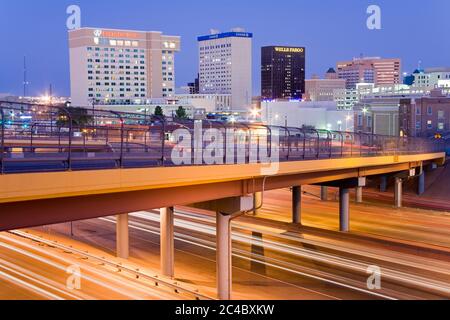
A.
x: 436, y: 196
x: 379, y: 219
x: 34, y: 271
x: 276, y: 260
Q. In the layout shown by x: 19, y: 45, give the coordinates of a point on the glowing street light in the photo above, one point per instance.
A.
x: 255, y: 112
x: 46, y: 98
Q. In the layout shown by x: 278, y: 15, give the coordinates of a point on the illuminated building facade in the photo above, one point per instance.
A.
x: 121, y: 66
x: 282, y: 72
x: 225, y: 66
x: 370, y: 70
x: 324, y: 89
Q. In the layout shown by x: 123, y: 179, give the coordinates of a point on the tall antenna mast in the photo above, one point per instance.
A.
x: 51, y: 93
x: 25, y: 81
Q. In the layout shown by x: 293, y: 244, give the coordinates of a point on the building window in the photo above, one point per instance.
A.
x: 418, y: 125
x: 441, y: 126
x: 418, y: 111
x: 441, y: 114
x: 360, y: 120
x: 430, y: 111
x: 429, y: 124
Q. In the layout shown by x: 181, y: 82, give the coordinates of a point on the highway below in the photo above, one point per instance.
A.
x: 32, y: 270
x: 374, y: 218
x: 272, y: 259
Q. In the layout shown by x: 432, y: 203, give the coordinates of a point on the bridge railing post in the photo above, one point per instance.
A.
x: 268, y: 141
x: 249, y: 145
x: 342, y: 143
x: 288, y: 132
x: 352, y: 142
x: 360, y: 144
x: 163, y: 143
x: 69, y: 155
x: 225, y: 141
x: 31, y: 135
x: 318, y: 143
x: 330, y: 143
x: 59, y: 140
x: 2, y: 146
x: 304, y: 143
x: 122, y: 138
x: 372, y: 144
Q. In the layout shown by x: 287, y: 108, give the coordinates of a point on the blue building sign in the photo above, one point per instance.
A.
x: 226, y: 35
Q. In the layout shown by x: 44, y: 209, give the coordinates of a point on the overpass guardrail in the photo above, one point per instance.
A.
x: 49, y: 138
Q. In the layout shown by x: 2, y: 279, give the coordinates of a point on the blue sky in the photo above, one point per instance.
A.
x: 331, y: 30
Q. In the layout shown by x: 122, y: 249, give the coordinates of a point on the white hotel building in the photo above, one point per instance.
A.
x: 121, y: 66
x: 225, y: 67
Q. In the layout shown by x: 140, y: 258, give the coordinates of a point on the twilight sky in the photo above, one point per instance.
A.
x: 331, y: 30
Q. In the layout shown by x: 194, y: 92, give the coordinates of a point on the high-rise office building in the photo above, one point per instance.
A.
x: 370, y: 70
x: 282, y: 72
x: 225, y: 66
x: 121, y: 66
x: 194, y: 87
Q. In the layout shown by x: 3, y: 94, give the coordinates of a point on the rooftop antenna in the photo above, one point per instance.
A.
x: 419, y: 65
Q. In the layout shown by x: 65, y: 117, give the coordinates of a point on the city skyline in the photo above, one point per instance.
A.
x: 224, y: 160
x: 35, y: 31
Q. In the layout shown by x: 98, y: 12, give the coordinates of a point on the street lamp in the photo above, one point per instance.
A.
x: 255, y: 112
x: 347, y: 120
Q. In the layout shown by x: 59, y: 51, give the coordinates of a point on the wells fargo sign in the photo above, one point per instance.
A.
x: 289, y: 50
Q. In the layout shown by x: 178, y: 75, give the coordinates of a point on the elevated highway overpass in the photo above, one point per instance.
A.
x: 63, y: 164
x: 36, y: 199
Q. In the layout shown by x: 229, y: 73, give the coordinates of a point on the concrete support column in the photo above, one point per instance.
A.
x: 257, y: 202
x: 421, y: 183
x: 344, y: 209
x: 296, y: 205
x: 226, y: 210
x: 224, y: 257
x: 398, y: 192
x: 122, y: 237
x: 359, y: 194
x: 383, y: 184
x: 167, y: 242
x: 324, y: 193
